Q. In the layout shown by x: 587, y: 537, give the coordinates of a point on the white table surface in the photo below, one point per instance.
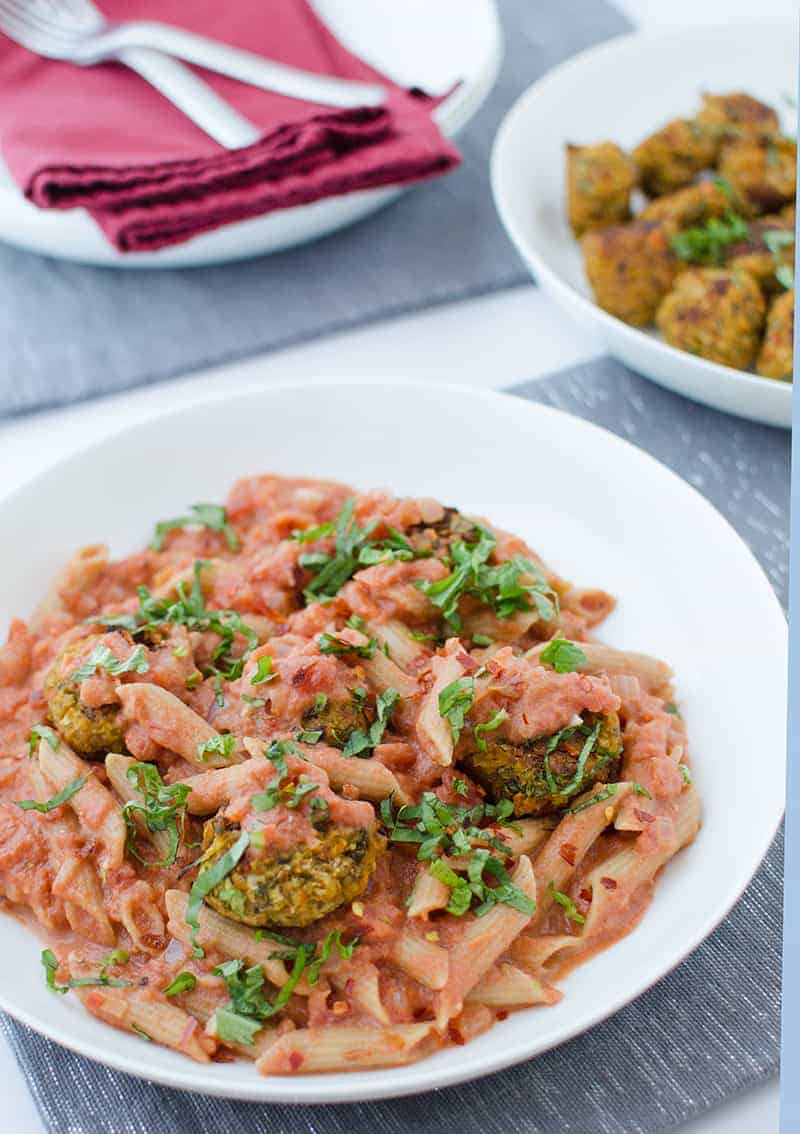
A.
x: 491, y: 342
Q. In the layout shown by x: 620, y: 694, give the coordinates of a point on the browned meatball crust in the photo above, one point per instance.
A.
x: 674, y: 155
x: 599, y: 183
x: 630, y: 268
x: 715, y: 313
x: 762, y: 174
x: 776, y: 355
x: 736, y: 116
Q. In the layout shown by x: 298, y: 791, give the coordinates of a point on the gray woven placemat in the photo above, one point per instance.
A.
x: 703, y: 1034
x: 71, y: 331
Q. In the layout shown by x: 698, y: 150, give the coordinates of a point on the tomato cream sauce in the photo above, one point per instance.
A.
x: 306, y: 669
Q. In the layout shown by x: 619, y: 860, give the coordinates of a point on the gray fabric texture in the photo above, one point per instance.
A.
x: 71, y: 331
x: 707, y: 1031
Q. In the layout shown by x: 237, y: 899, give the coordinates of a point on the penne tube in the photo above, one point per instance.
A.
x: 433, y: 732
x: 227, y: 937
x: 403, y: 649
x: 568, y: 845
x: 654, y: 675
x: 171, y: 724
x: 371, y: 779
x: 506, y: 986
x: 163, y: 1023
x: 117, y: 770
x: 484, y: 940
x: 423, y: 960
x: 429, y: 894
x: 384, y: 674
x: 98, y: 812
x: 535, y: 951
x: 361, y: 985
x: 343, y: 1048
x: 591, y: 604
x: 526, y: 835
x: 75, y: 881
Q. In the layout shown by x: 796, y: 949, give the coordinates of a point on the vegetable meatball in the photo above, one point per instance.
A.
x: 437, y: 537
x: 599, y: 183
x: 737, y: 115
x: 715, y: 313
x: 630, y: 267
x: 545, y: 775
x: 694, y: 205
x: 336, y: 720
x: 292, y: 887
x: 91, y: 731
x: 775, y: 357
x: 762, y: 173
x: 674, y: 155
x: 768, y: 247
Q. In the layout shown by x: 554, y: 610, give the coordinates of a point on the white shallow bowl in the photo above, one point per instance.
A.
x: 697, y: 599
x: 418, y: 44
x: 623, y: 90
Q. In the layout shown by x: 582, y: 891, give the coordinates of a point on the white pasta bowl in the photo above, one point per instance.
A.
x: 697, y: 599
x: 622, y: 91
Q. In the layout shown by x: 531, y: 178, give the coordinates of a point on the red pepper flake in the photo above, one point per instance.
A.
x: 608, y: 883
x: 469, y: 664
x: 455, y: 1035
x: 568, y: 852
x: 296, y: 1060
x: 644, y: 816
x: 501, y: 1015
x: 585, y: 895
x: 300, y: 674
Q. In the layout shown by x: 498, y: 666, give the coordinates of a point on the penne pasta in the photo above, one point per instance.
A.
x: 171, y: 723
x: 506, y: 986
x: 226, y: 937
x: 94, y: 805
x: 399, y: 786
x: 343, y: 1048
x: 117, y: 770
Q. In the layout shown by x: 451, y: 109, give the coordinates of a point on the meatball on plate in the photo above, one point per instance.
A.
x: 303, y: 775
x: 612, y: 199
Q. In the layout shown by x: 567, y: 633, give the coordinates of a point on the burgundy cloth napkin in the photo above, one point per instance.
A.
x: 102, y: 138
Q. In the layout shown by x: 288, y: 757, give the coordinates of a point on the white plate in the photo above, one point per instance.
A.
x: 696, y: 598
x: 417, y: 43
x: 624, y: 90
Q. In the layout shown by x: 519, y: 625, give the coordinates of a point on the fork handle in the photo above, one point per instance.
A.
x: 192, y: 95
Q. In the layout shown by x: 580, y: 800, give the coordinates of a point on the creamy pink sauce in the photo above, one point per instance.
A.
x: 263, y: 580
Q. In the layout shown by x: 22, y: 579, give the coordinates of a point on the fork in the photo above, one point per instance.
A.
x: 76, y: 31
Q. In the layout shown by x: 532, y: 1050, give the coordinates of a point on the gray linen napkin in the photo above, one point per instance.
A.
x: 70, y: 331
x: 704, y: 1033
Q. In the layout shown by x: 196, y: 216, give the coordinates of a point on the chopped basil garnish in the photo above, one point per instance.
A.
x: 566, y: 903
x: 102, y: 658
x: 205, y: 882
x: 354, y: 549
x: 686, y: 774
x: 222, y: 745
x: 162, y: 808
x: 455, y: 701
x: 607, y: 792
x: 56, y: 800
x: 189, y: 610
x: 563, y: 656
x: 499, y: 587
x: 211, y: 516
x: 50, y: 963
x: 41, y: 732
x: 264, y: 671
x: 361, y: 743
x: 183, y: 982
x: 442, y: 829
x: 494, y: 722
x: 328, y: 644
x: 706, y: 243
